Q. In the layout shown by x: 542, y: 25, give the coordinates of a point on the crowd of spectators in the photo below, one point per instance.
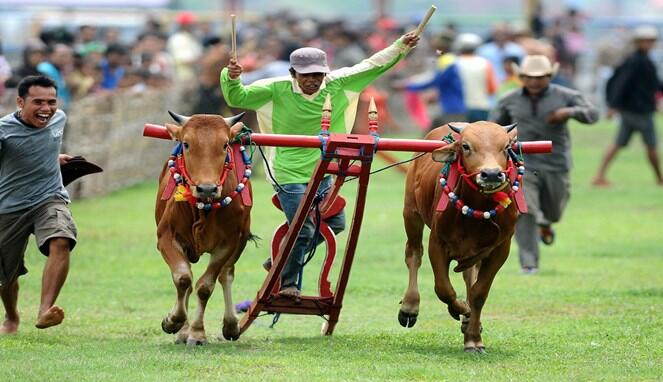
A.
x: 190, y: 52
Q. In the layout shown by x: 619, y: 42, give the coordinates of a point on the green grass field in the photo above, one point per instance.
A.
x: 593, y: 313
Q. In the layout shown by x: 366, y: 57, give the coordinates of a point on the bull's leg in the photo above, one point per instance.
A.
x: 478, y: 295
x: 230, y: 329
x: 470, y: 277
x: 443, y: 288
x: 204, y: 288
x: 414, y: 225
x: 180, y: 270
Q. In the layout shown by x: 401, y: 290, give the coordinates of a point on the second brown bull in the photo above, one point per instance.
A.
x: 468, y: 193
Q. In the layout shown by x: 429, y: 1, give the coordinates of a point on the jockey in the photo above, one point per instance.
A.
x: 293, y: 105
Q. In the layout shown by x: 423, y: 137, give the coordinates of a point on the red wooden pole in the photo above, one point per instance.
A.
x: 385, y: 144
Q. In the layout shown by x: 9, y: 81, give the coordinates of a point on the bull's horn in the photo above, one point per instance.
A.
x: 234, y: 119
x: 510, y: 127
x: 181, y: 119
x: 456, y: 129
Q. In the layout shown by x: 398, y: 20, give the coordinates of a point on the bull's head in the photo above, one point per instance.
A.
x: 482, y: 148
x: 205, y: 139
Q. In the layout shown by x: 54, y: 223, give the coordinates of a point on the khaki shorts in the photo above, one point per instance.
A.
x: 50, y: 219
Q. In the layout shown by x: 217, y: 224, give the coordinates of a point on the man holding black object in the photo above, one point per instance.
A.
x: 33, y: 199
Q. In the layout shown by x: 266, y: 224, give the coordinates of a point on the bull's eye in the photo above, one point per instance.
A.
x: 225, y: 146
x: 466, y: 147
x: 186, y: 145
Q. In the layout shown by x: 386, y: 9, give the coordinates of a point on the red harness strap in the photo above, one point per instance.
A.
x: 240, y: 167
x: 452, y: 181
x: 518, y: 197
x: 456, y: 171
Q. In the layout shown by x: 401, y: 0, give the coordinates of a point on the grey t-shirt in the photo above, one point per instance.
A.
x: 530, y: 114
x: 29, y: 165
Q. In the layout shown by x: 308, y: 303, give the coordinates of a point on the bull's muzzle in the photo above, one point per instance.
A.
x: 207, y: 191
x: 490, y: 178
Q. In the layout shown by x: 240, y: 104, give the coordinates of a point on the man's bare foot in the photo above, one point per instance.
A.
x: 9, y: 326
x: 291, y: 292
x: 53, y: 316
x: 601, y: 182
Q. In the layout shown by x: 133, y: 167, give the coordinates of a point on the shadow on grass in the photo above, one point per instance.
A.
x: 381, y: 345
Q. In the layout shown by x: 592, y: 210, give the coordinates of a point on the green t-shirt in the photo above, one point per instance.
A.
x: 282, y: 108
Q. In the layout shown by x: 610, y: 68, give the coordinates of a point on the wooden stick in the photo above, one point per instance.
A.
x: 233, y: 38
x: 424, y: 21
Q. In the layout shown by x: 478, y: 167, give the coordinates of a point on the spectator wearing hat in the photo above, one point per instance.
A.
x: 185, y: 48
x: 293, y: 105
x: 542, y: 110
x: 631, y: 92
x: 477, y: 76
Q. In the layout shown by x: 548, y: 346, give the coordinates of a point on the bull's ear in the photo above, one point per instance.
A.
x: 448, y: 153
x: 174, y: 131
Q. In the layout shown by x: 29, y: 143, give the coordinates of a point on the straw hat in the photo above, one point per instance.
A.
x: 536, y: 66
x: 645, y: 32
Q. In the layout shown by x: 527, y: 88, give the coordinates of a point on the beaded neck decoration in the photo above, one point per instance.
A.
x: 501, y: 198
x: 177, y: 168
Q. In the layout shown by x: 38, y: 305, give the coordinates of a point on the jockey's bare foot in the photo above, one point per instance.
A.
x: 601, y: 182
x: 53, y: 316
x: 291, y: 292
x: 9, y: 326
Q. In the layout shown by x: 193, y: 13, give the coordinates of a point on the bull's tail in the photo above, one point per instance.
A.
x: 470, y: 261
x: 255, y: 239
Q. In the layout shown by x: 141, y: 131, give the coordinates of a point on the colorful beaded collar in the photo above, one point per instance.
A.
x: 177, y: 168
x: 501, y: 198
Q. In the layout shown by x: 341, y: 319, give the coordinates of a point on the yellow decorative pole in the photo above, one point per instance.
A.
x: 326, y: 115
x: 372, y: 117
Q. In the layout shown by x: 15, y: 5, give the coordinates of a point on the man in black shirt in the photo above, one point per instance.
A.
x: 632, y: 93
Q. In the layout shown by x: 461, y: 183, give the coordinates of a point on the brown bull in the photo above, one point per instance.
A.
x: 476, y: 226
x: 195, y: 215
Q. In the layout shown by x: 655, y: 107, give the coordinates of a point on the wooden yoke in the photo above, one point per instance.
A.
x: 337, y: 155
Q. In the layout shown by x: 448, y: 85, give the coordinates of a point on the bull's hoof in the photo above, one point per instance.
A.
x: 171, y: 327
x: 475, y: 350
x: 458, y: 308
x: 455, y: 315
x: 230, y: 334
x: 196, y: 342
x: 407, y: 320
